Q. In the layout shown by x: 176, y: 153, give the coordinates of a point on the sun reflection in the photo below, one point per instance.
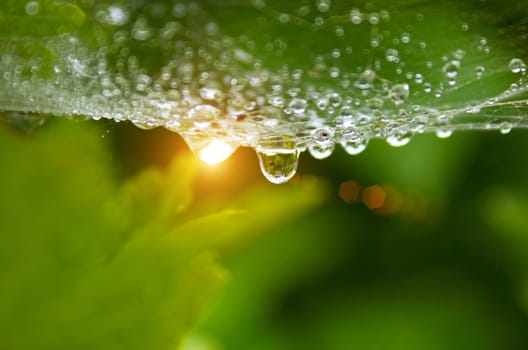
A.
x: 216, y: 152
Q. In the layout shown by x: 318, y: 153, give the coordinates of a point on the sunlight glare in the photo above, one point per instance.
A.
x: 216, y: 152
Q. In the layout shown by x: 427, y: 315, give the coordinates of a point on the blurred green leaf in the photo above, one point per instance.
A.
x: 38, y: 18
x: 88, y: 264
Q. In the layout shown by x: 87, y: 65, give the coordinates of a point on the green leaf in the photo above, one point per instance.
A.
x: 38, y: 18
x: 89, y: 263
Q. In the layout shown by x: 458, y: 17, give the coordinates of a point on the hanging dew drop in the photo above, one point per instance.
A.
x: 321, y: 151
x: 354, y: 141
x: 506, y: 128
x: 444, y: 132
x: 278, y: 160
x: 399, y: 137
x: 324, y: 145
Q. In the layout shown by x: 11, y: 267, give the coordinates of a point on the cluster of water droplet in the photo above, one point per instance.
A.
x: 170, y: 64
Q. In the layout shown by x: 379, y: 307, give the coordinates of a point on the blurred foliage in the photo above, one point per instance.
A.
x: 91, y: 261
x: 88, y: 263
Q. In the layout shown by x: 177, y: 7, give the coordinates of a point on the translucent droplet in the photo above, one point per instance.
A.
x: 321, y: 152
x: 392, y: 55
x: 479, y: 70
x: 323, y: 5
x: 399, y: 137
x: 323, y: 136
x: 451, y: 69
x: 427, y: 88
x: 365, y: 79
x: 210, y: 94
x: 375, y: 103
x: 444, y: 132
x: 141, y: 30
x: 517, y: 66
x: 406, y: 38
x: 116, y: 15
x: 32, y: 8
x: 334, y: 99
x: 334, y: 72
x: 354, y: 141
x: 298, y: 106
x: 506, y: 127
x: 203, y: 115
x: 278, y: 160
x: 399, y: 93
x: 374, y: 18
x: 355, y: 16
x: 322, y: 103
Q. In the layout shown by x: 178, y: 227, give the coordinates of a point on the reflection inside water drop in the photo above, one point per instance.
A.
x: 278, y: 160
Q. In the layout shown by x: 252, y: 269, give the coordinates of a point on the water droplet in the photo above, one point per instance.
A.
x: 334, y: 72
x: 278, y: 160
x: 322, y: 103
x: 428, y: 88
x: 32, y: 8
x: 479, y: 70
x: 399, y: 137
x: 375, y: 103
x: 356, y: 17
x: 444, y: 132
x: 117, y: 15
x: 354, y: 141
x: 141, y: 30
x: 321, y: 152
x: 392, y: 55
x: 298, y: 106
x: 374, y: 18
x: 284, y: 18
x: 406, y: 38
x: 323, y: 136
x: 517, y: 66
x: 399, y: 93
x: 203, y: 115
x: 334, y: 99
x: 506, y: 127
x: 365, y: 79
x: 323, y: 5
x: 451, y: 69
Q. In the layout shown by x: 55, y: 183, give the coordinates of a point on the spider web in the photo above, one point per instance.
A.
x: 278, y: 77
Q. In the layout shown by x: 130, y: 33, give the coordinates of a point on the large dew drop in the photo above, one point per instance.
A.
x: 278, y: 160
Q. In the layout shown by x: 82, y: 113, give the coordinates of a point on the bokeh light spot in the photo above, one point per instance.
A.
x: 374, y: 197
x: 349, y: 191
